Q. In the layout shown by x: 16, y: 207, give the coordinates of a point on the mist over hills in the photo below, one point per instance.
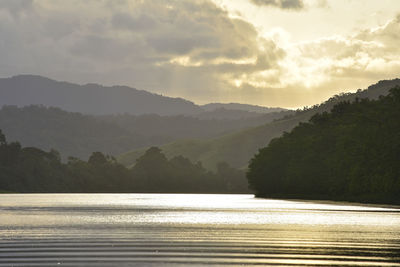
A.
x: 238, y: 147
x: 235, y: 114
x: 78, y: 135
x: 95, y: 99
x: 92, y: 99
x: 36, y: 111
x: 183, y: 127
x: 72, y: 134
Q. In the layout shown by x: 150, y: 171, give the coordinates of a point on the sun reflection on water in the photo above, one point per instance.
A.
x: 194, y: 229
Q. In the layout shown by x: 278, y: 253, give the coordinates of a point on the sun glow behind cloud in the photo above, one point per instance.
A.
x: 276, y: 53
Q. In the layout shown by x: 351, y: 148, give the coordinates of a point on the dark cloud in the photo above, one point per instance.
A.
x: 284, y: 4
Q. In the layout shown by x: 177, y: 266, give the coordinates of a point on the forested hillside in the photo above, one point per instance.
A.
x: 238, y: 147
x: 73, y: 134
x: 78, y: 135
x: 351, y: 153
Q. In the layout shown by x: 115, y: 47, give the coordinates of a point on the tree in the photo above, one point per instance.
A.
x: 2, y: 138
x: 97, y: 159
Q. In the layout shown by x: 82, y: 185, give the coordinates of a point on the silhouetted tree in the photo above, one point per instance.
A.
x: 2, y: 138
x: 97, y: 159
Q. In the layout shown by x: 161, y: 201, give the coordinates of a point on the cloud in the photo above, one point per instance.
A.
x: 192, y: 49
x: 128, y: 22
x: 16, y: 6
x: 284, y: 4
x: 334, y: 64
x: 134, y: 42
x: 364, y: 51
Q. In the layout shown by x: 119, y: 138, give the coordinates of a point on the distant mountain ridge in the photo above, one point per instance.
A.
x: 95, y: 99
x: 91, y: 98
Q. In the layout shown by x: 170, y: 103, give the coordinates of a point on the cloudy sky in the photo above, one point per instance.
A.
x: 287, y: 53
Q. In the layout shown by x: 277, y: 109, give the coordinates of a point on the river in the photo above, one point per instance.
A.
x: 193, y: 229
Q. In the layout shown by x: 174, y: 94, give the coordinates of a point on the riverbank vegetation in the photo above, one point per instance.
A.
x: 351, y: 153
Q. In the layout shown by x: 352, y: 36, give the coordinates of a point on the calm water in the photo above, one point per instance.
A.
x: 184, y: 229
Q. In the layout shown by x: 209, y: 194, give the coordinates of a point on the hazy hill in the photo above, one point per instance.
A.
x: 238, y: 106
x: 74, y: 134
x: 179, y: 126
x: 93, y: 99
x: 234, y: 114
x: 237, y: 148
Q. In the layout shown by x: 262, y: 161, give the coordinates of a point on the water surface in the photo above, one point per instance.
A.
x: 193, y: 229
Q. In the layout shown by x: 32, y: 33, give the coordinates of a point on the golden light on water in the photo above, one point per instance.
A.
x: 195, y: 229
x: 189, y: 209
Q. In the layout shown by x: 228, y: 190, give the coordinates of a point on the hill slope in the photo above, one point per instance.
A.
x: 179, y: 126
x: 92, y: 99
x: 237, y: 148
x: 72, y: 134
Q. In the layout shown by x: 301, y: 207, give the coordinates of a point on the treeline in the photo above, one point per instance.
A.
x: 351, y: 153
x: 30, y: 169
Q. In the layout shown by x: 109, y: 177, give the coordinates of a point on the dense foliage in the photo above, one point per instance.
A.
x: 33, y: 170
x: 351, y: 153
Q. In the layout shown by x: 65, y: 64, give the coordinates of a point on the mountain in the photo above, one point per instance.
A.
x: 92, y: 99
x: 78, y: 135
x: 351, y: 153
x: 238, y: 148
x: 238, y: 106
x: 118, y: 128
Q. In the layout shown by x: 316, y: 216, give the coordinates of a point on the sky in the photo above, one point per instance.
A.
x: 286, y: 53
